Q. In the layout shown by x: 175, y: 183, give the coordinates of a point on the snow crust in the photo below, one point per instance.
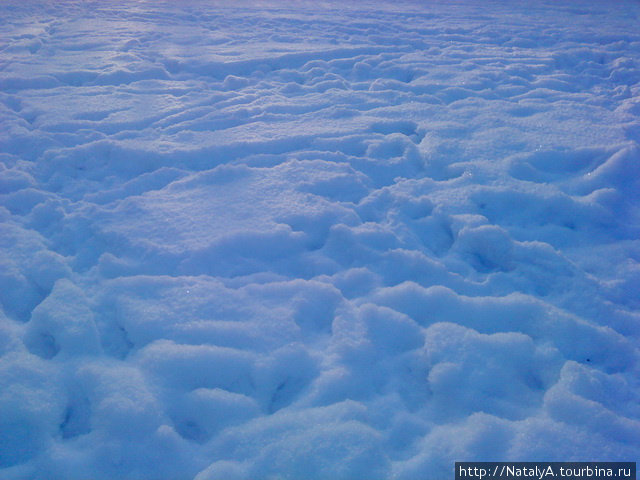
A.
x: 317, y: 240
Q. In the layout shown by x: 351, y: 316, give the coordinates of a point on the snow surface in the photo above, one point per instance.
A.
x: 317, y: 240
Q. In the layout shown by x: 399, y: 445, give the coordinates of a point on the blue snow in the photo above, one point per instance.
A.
x: 317, y: 240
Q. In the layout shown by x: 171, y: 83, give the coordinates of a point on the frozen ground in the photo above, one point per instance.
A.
x: 350, y: 240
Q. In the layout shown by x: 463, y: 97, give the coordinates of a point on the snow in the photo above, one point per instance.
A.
x: 317, y: 240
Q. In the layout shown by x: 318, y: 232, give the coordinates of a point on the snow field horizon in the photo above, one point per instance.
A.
x: 298, y: 240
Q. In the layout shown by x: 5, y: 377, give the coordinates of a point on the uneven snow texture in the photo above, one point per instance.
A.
x: 350, y: 240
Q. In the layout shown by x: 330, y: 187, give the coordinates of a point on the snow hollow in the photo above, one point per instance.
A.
x: 317, y: 240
